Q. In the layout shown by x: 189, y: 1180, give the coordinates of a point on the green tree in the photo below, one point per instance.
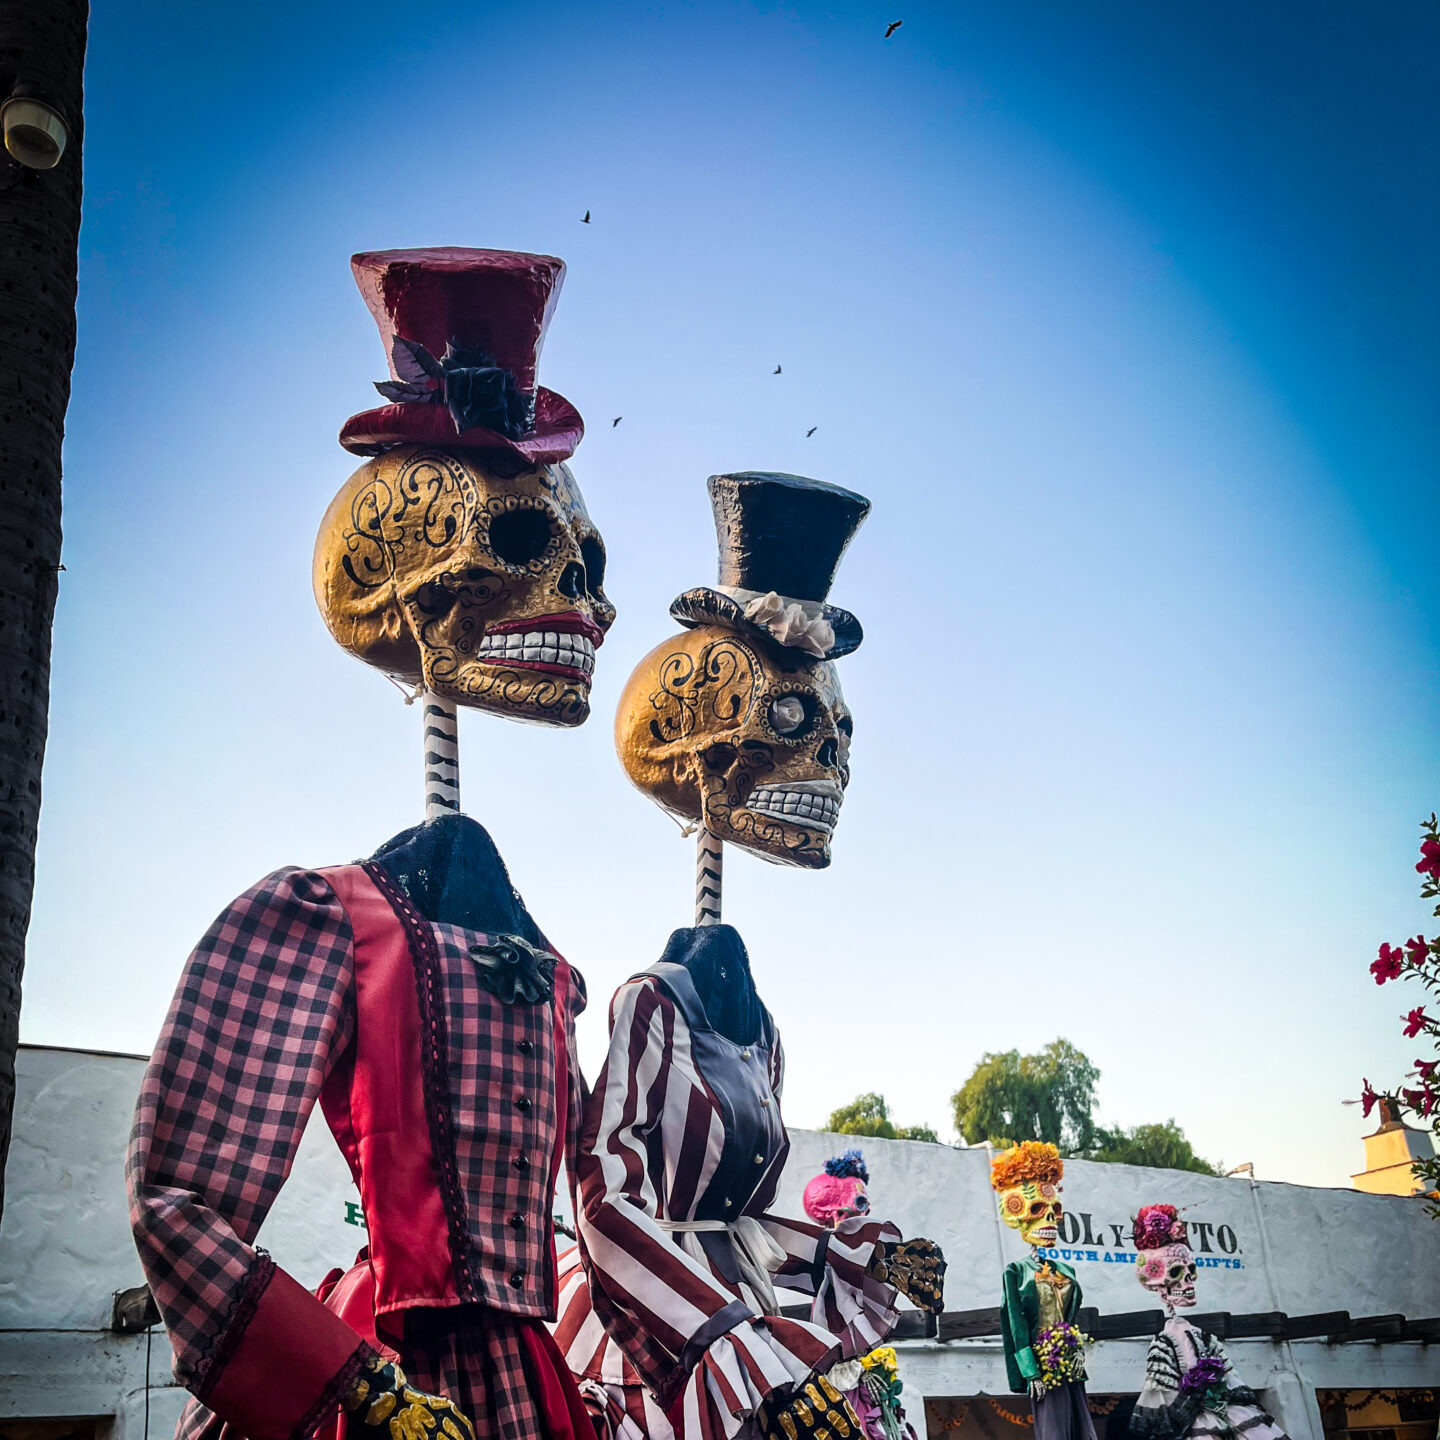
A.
x: 1162, y: 1147
x: 922, y: 1133
x: 869, y: 1115
x: 1013, y: 1097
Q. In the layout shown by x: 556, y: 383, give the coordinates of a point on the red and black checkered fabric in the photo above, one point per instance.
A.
x: 263, y: 1010
x: 264, y: 1014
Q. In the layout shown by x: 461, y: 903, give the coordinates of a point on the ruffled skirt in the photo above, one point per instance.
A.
x: 721, y: 1394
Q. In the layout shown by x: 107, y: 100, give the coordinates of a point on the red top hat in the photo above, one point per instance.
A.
x: 463, y: 329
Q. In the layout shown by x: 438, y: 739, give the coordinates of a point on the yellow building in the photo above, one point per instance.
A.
x: 1390, y: 1156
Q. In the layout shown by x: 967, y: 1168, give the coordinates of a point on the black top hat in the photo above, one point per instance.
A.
x: 781, y: 538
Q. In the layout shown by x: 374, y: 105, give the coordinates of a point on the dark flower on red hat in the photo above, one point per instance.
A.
x: 1415, y: 1022
x: 481, y: 395
x: 1417, y: 949
x: 1429, y: 858
x: 1388, y: 966
x: 1367, y: 1099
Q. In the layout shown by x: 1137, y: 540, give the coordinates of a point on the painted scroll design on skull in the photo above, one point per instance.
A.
x: 437, y: 554
x: 382, y: 527
x: 752, y: 772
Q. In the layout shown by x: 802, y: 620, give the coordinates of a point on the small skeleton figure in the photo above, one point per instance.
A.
x: 1044, y: 1354
x: 668, y: 1312
x: 1190, y: 1389
x: 872, y: 1384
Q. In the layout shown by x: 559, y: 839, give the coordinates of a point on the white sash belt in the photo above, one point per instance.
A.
x: 757, y: 1255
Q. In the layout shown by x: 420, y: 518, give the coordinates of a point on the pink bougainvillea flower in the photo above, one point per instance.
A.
x: 1367, y: 1100
x: 1429, y: 858
x: 1388, y: 966
x: 1417, y: 949
x: 1415, y: 1022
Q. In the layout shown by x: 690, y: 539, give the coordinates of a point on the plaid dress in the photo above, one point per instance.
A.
x: 264, y: 1023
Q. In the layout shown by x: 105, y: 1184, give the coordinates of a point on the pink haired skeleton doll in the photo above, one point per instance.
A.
x: 870, y: 1383
x: 1190, y: 1392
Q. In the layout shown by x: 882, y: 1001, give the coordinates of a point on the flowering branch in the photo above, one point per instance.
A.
x: 1416, y: 959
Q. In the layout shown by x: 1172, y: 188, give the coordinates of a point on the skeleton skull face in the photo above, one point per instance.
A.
x: 1034, y: 1209
x: 1170, y: 1273
x: 435, y: 569
x: 747, y: 735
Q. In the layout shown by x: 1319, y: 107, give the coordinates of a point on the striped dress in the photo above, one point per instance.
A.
x: 1168, y: 1410
x: 666, y: 1311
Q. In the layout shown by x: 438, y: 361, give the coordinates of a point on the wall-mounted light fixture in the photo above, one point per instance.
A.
x: 35, y: 132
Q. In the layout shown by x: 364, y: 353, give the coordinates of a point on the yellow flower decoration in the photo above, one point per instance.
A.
x: 884, y: 1358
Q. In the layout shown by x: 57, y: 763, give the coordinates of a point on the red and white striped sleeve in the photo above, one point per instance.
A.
x: 665, y: 1295
x: 833, y: 1265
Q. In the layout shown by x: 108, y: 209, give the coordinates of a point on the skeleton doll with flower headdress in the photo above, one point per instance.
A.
x: 1191, y: 1392
x: 1044, y: 1351
x: 872, y: 1383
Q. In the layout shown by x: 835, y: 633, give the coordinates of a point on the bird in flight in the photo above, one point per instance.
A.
x: 616, y: 421
x: 776, y: 370
x: 586, y: 220
x: 811, y: 431
x: 893, y: 27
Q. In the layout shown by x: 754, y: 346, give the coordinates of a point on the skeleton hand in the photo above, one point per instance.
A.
x: 383, y: 1406
x: 916, y: 1268
x: 816, y: 1411
x: 1037, y: 1391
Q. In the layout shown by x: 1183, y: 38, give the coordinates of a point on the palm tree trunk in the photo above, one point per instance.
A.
x: 42, y: 51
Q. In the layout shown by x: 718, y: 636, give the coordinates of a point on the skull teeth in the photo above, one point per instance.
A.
x: 804, y: 806
x: 548, y: 647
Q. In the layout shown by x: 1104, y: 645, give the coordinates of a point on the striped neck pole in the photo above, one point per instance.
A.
x: 442, y: 758
x: 709, y: 872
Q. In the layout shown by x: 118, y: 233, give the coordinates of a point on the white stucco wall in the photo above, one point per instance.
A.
x: 65, y: 1248
x: 65, y: 1245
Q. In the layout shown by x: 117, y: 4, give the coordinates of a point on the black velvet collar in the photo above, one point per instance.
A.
x: 719, y: 966
x: 453, y: 875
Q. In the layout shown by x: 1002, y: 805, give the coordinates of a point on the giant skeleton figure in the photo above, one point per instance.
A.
x: 1190, y: 1391
x: 412, y: 994
x: 668, y: 1312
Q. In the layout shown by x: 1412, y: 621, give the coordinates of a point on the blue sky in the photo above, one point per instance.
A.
x: 1124, y: 317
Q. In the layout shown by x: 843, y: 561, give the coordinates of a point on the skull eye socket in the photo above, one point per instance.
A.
x: 1037, y: 1209
x: 519, y: 537
x: 592, y: 553
x: 720, y: 757
x: 791, y: 715
x: 1174, y: 1271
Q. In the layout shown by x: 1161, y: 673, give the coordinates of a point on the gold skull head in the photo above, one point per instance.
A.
x: 1033, y: 1208
x: 750, y: 736
x: 487, y: 587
